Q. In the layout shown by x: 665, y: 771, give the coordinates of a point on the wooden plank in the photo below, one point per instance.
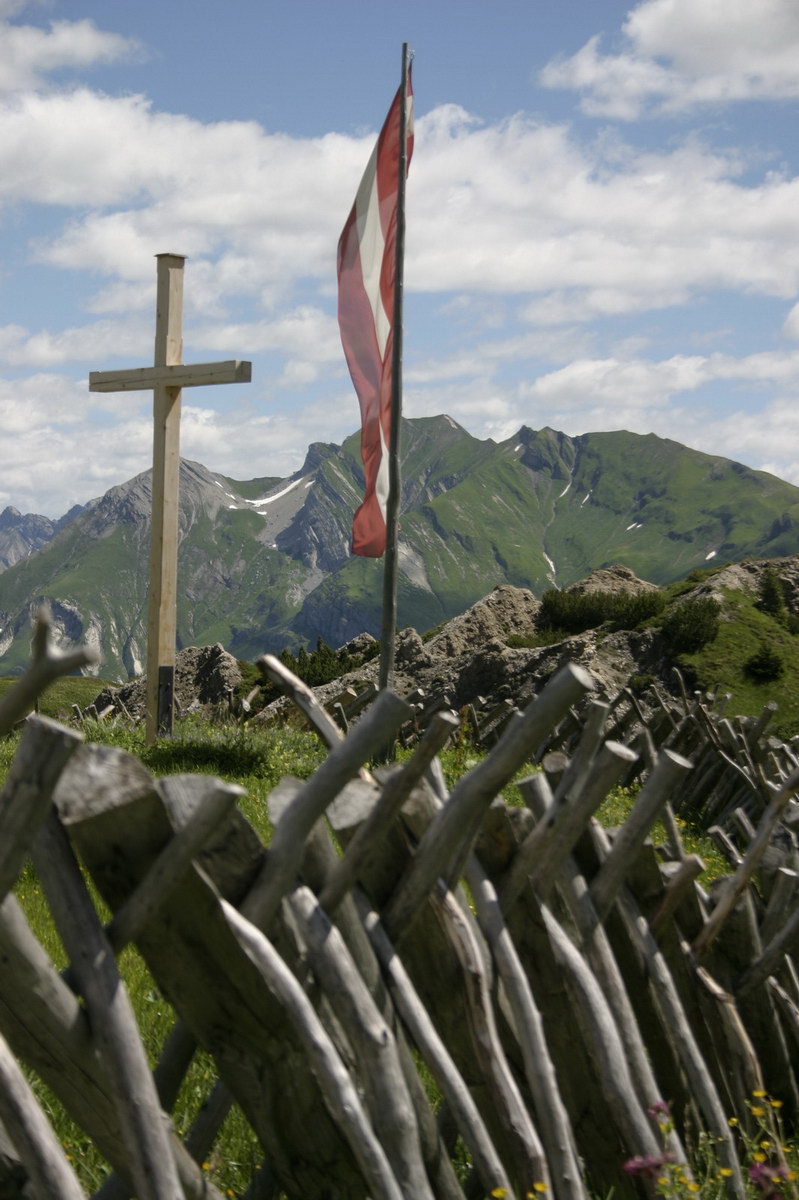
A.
x: 44, y: 749
x: 162, y: 618
x: 176, y: 375
x: 122, y: 1055
x: 39, y: 1148
x: 162, y: 613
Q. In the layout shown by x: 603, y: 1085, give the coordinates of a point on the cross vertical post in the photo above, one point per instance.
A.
x: 162, y: 616
x: 166, y: 378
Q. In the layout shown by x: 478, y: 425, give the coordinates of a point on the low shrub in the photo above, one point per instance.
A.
x: 691, y: 625
x: 575, y: 612
x: 765, y: 665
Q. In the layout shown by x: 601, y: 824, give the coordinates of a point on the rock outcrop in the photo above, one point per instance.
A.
x: 204, y: 675
x: 468, y: 659
x: 616, y: 579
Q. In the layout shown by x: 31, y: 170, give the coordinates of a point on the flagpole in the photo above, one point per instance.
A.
x: 389, y: 622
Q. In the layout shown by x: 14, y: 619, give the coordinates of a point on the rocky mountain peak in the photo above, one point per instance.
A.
x: 266, y: 563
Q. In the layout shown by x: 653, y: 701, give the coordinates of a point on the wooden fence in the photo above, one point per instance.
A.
x: 557, y: 983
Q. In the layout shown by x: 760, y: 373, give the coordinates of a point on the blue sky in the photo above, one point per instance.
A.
x: 603, y: 222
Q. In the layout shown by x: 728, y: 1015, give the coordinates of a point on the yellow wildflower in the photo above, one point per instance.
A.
x: 499, y: 1191
x: 759, y: 1093
x: 725, y: 1172
x: 759, y: 1156
x: 758, y: 1111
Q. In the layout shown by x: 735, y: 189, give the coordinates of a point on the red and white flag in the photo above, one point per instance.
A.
x: 366, y: 273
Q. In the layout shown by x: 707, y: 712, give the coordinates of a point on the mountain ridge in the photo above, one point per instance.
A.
x: 265, y: 563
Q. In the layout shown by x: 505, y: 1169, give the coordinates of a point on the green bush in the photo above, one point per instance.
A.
x: 765, y: 665
x: 317, y: 666
x: 574, y: 612
x: 772, y: 597
x: 691, y: 625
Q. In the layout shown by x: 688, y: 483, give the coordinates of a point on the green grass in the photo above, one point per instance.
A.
x: 743, y: 630
x: 57, y: 700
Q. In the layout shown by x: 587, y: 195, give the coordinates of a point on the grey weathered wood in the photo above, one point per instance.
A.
x: 780, y: 903
x: 603, y: 1042
x: 542, y: 854
x: 40, y: 1151
x: 114, y: 1026
x: 319, y: 861
x: 368, y: 737
x: 44, y: 750
x: 303, y: 696
x: 666, y: 999
x: 524, y: 1157
x: 435, y: 1054
x: 393, y: 795
x: 196, y: 961
x: 208, y: 1122
x: 389, y: 1103
x: 737, y: 946
x: 340, y: 1095
x: 13, y: 1175
x: 448, y: 839
x: 553, y: 1120
x: 669, y: 770
x: 680, y: 882
x: 599, y: 953
x: 588, y: 746
x: 217, y: 800
x: 45, y: 668
x: 725, y: 846
x: 737, y: 883
x: 48, y: 1029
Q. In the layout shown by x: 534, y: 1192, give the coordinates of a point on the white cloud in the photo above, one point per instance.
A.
x: 597, y: 229
x: 97, y: 341
x: 28, y: 53
x: 679, y: 54
x: 516, y: 207
x: 646, y: 384
x: 305, y: 332
x: 64, y: 450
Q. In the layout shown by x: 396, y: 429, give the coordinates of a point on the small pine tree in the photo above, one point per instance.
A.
x: 772, y: 596
x: 691, y: 625
x: 765, y: 665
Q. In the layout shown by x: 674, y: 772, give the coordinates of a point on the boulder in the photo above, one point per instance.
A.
x: 616, y: 579
x: 204, y: 675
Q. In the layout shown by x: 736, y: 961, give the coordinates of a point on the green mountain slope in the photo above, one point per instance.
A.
x: 265, y: 563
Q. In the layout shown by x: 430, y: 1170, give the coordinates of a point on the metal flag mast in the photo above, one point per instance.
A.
x: 389, y: 619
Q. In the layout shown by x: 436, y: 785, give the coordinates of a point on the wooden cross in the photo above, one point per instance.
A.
x: 166, y: 378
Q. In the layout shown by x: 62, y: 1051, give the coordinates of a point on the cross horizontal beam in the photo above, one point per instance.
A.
x: 139, y: 379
